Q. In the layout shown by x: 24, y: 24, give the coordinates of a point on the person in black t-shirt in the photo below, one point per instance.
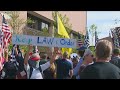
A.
x: 102, y: 68
x: 64, y: 68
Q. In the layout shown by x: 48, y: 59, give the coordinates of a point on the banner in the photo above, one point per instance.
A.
x: 43, y: 41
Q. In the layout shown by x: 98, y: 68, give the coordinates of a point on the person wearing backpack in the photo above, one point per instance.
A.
x: 21, y: 74
x: 34, y: 71
x: 10, y: 67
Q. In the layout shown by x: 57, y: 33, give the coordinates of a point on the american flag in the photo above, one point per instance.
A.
x: 1, y: 44
x: 115, y: 38
x: 13, y: 51
x: 6, y: 31
x: 1, y: 58
x: 86, y: 41
x: 80, y: 43
x: 118, y: 34
x: 35, y: 50
x: 96, y: 38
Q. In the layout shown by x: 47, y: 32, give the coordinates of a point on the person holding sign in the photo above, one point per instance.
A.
x: 34, y: 71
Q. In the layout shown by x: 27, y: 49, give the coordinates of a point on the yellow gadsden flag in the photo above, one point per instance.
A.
x: 62, y: 31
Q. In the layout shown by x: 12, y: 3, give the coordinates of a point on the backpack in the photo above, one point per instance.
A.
x: 31, y: 70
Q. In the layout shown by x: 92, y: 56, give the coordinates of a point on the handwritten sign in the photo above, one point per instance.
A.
x: 43, y: 41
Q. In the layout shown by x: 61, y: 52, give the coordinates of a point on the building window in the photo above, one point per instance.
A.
x: 37, y: 23
x: 44, y: 25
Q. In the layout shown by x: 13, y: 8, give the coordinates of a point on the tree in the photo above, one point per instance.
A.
x: 15, y: 22
x: 92, y: 30
x: 65, y: 21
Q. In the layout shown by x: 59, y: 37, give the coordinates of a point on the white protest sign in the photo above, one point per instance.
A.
x: 43, y: 41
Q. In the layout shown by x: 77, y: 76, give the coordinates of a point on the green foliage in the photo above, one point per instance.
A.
x: 30, y: 21
x: 65, y: 21
x: 15, y: 22
x: 92, y: 30
x: 92, y: 48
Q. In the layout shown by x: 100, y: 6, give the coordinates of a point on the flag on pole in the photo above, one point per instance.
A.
x: 80, y: 42
x: 35, y: 49
x: 6, y: 31
x: 1, y: 58
x: 115, y: 38
x: 62, y: 31
x: 96, y: 38
x: 118, y: 35
x: 86, y: 41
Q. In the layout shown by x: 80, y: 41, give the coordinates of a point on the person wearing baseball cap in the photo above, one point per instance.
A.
x: 87, y: 60
x: 34, y: 70
x: 81, y: 51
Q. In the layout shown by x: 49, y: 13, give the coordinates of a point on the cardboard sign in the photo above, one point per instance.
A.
x: 43, y: 41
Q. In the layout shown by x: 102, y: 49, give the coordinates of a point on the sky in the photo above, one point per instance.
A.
x: 104, y: 20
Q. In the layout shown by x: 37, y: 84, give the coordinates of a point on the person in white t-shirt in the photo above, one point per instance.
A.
x: 32, y: 62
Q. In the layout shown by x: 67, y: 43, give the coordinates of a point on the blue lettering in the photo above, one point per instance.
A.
x: 68, y: 43
x: 38, y: 41
x: 72, y: 43
x: 29, y: 41
x: 62, y: 41
x: 23, y: 40
x: 44, y: 40
x: 17, y: 39
x: 50, y: 41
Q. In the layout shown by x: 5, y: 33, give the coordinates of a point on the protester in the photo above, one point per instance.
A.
x: 64, y: 67
x: 116, y: 57
x: 81, y: 51
x: 87, y: 60
x: 34, y: 71
x: 75, y: 61
x: 43, y: 59
x: 50, y: 72
x: 102, y: 68
x: 10, y: 67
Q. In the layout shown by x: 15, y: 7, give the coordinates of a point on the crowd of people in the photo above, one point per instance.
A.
x: 105, y: 64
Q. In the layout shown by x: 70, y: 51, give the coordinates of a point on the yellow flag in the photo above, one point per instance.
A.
x: 62, y: 31
x: 61, y: 28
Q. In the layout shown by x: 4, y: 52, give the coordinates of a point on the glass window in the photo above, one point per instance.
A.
x: 38, y: 24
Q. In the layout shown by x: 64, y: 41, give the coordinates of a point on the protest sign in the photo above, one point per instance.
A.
x: 43, y: 41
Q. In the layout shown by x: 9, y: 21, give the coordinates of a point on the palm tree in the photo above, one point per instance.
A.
x: 92, y: 30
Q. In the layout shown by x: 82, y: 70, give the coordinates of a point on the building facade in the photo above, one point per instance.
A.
x: 43, y: 20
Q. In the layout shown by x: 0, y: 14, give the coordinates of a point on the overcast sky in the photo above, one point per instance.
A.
x: 104, y: 20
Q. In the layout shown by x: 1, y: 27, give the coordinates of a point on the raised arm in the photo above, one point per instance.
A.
x: 49, y: 63
x: 27, y: 55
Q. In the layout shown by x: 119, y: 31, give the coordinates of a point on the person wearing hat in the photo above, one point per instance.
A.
x: 116, y: 57
x: 87, y: 60
x: 34, y: 71
x: 102, y: 68
x: 81, y: 51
